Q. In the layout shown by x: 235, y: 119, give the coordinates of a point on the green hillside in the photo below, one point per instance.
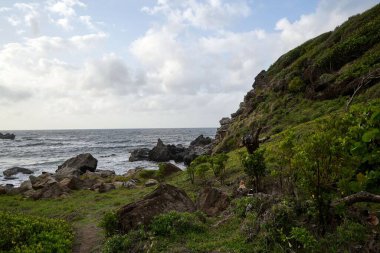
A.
x: 311, y: 80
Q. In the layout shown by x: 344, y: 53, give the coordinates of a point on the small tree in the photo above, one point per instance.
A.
x: 218, y: 166
x: 193, y: 169
x: 254, y: 166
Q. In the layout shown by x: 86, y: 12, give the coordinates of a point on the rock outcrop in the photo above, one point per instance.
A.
x: 212, y: 201
x: 7, y: 136
x: 163, y: 199
x: 76, y: 166
x: 164, y: 153
x: 139, y: 154
x: 15, y: 170
x: 167, y: 169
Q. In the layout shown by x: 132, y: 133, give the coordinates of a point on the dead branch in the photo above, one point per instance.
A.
x: 358, y: 197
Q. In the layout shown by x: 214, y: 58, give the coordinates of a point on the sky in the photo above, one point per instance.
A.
x: 81, y: 64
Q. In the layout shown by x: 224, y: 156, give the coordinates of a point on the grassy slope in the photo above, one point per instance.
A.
x: 311, y: 80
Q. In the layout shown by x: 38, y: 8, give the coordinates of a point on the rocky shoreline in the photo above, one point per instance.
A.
x: 81, y: 172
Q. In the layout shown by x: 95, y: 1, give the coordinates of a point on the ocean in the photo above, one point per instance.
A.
x: 44, y: 150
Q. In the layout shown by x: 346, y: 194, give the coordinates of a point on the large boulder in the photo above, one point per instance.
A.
x: 42, y: 181
x: 76, y: 166
x: 212, y: 201
x: 163, y: 199
x: 139, y: 154
x: 15, y: 170
x: 73, y: 183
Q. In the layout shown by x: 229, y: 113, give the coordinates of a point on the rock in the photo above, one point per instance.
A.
x: 52, y: 190
x: 133, y: 172
x: 163, y: 199
x: 15, y: 170
x: 130, y: 184
x: 212, y: 201
x: 42, y: 181
x: 201, y: 141
x: 106, y: 187
x: 167, y: 169
x: 76, y: 166
x: 160, y: 153
x: 105, y: 173
x: 3, y: 190
x: 151, y: 182
x: 25, y: 186
x: 7, y: 136
x: 139, y: 154
x: 225, y: 121
x: 73, y: 183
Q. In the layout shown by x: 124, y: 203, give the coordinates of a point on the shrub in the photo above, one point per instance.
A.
x: 296, y: 84
x: 133, y: 242
x: 304, y: 237
x: 29, y: 234
x: 175, y: 223
x: 254, y: 166
x: 147, y: 174
x: 109, y: 223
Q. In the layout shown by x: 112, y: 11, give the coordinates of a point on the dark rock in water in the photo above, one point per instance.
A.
x: 139, y: 154
x: 166, y: 169
x: 160, y: 153
x: 7, y: 136
x: 201, y: 141
x: 77, y: 166
x: 212, y: 201
x: 163, y: 199
x: 15, y: 170
x: 105, y: 173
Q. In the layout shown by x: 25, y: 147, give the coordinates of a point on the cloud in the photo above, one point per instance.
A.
x: 210, y: 14
x: 11, y: 95
x: 31, y: 16
x: 65, y: 9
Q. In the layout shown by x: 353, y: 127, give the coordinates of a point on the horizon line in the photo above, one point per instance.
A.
x: 132, y: 128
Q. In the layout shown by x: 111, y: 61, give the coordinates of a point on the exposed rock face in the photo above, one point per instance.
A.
x: 139, y: 154
x: 77, y: 166
x: 7, y: 136
x: 163, y: 199
x: 221, y: 132
x: 160, y: 153
x: 15, y: 170
x: 212, y: 201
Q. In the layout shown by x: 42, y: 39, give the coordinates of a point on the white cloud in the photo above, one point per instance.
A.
x: 31, y: 16
x: 65, y: 9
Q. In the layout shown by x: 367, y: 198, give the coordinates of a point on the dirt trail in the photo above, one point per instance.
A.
x: 88, y: 238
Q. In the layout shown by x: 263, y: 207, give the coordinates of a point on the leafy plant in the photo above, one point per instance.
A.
x: 109, y: 223
x: 254, y: 166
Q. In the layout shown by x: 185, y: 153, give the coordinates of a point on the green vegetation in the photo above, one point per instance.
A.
x: 320, y: 150
x: 22, y: 233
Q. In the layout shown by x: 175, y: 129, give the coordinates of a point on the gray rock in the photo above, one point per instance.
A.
x: 201, y: 141
x: 15, y: 170
x: 105, y: 173
x: 133, y: 172
x: 77, y: 166
x: 163, y: 199
x: 106, y: 187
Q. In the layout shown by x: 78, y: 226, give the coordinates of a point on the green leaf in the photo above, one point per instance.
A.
x: 370, y: 135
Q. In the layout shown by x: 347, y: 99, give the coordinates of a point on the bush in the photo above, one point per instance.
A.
x: 29, y: 234
x: 109, y: 223
x: 175, y: 223
x: 296, y: 84
x: 304, y: 237
x: 133, y: 242
x: 148, y: 174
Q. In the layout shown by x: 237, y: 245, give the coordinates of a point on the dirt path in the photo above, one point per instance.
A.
x: 88, y: 238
